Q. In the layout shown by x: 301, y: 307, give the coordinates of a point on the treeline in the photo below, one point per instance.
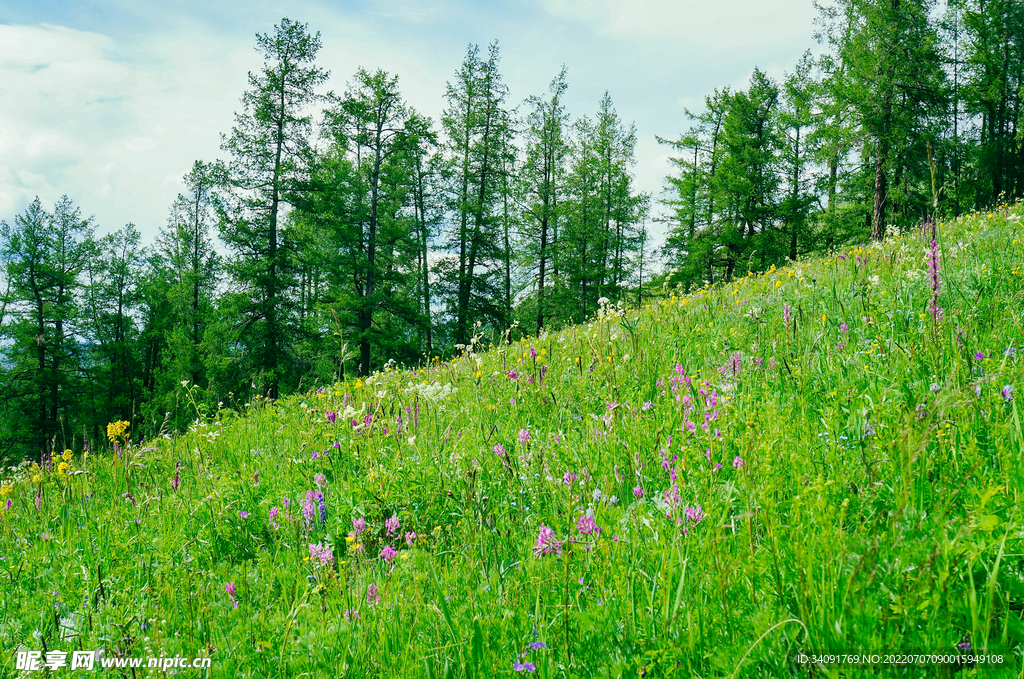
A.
x: 342, y: 230
x: 909, y: 113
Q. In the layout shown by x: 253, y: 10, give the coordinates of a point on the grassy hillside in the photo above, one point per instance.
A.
x: 826, y: 457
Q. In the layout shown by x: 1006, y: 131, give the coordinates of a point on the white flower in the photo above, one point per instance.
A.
x: 603, y: 301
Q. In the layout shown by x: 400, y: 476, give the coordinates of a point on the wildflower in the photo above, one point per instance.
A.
x: 372, y: 595
x: 315, y: 454
x: 936, y: 387
x: 1007, y: 393
x: 568, y: 478
x: 695, y: 514
x: 587, y: 526
x: 844, y: 328
x: 331, y: 416
x: 638, y: 492
x: 786, y: 313
x: 546, y: 543
x: 231, y: 590
x: 537, y: 645
x: 513, y: 375
x: 359, y: 525
x: 388, y: 553
x: 1010, y: 352
x: 116, y: 429
x: 597, y: 495
x: 524, y: 436
x: 351, y: 615
x: 243, y: 515
x: 410, y: 538
x: 737, y: 462
x: 529, y: 666
x: 646, y: 406
x: 499, y: 450
x: 320, y: 552
x: 129, y: 497
x: 320, y: 480
x: 935, y: 278
x: 978, y: 355
x: 391, y: 525
x: 272, y: 517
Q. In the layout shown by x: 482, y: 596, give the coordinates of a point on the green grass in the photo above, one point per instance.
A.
x: 876, y: 509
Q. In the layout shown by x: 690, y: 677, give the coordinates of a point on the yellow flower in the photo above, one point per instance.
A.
x: 37, y: 479
x: 359, y: 384
x: 67, y: 455
x: 116, y: 429
x: 349, y: 538
x: 63, y: 468
x: 6, y: 490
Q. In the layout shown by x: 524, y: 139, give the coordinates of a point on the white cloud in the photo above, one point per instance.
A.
x: 720, y: 25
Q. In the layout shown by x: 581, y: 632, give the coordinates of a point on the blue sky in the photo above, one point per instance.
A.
x: 110, y: 102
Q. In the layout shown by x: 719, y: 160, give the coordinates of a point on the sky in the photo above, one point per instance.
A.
x: 111, y: 102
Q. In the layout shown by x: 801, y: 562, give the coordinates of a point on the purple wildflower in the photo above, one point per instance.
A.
x: 391, y: 525
x: 358, y: 525
x: 978, y: 355
x: 331, y: 416
x: 537, y: 645
x: 320, y: 480
x: 844, y: 328
x: 786, y: 313
x: 388, y: 553
x: 372, y: 595
x: 1007, y: 393
x: 638, y: 492
x: 351, y: 615
x: 499, y: 450
x: 524, y: 436
x: 231, y: 590
x: 524, y: 667
x: 243, y: 515
x: 935, y: 276
x: 322, y: 553
x: 587, y: 526
x: 410, y: 538
x: 272, y: 516
x: 546, y: 543
x: 646, y: 406
x: 1010, y: 352
x: 695, y: 514
x: 568, y: 478
x: 738, y: 463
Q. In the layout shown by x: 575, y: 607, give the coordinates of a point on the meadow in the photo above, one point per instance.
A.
x: 821, y: 458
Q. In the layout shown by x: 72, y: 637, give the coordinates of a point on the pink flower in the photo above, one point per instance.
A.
x: 587, y: 526
x: 231, y: 590
x: 320, y: 480
x: 695, y: 514
x: 738, y: 463
x: 391, y: 525
x: 322, y: 553
x: 388, y: 553
x: 524, y: 436
x: 372, y: 595
x: 638, y: 492
x: 410, y: 538
x: 359, y: 525
x: 546, y: 543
